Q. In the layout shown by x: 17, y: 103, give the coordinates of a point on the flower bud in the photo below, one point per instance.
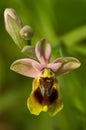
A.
x: 13, y: 25
x: 26, y: 32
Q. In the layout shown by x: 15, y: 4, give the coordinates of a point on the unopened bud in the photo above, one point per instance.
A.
x: 13, y: 25
x: 26, y: 32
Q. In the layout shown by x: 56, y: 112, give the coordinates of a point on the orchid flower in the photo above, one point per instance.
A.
x: 45, y: 95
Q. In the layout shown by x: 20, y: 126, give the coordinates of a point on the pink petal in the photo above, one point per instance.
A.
x: 26, y: 67
x: 58, y: 60
x: 68, y: 63
x: 43, y: 51
x: 54, y: 66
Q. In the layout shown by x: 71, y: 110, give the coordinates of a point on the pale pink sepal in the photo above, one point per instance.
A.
x: 68, y: 63
x: 43, y: 51
x: 26, y: 67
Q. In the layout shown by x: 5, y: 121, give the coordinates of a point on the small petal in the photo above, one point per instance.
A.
x: 26, y: 67
x: 26, y: 32
x: 68, y: 63
x: 29, y: 51
x: 54, y: 66
x: 43, y: 51
x: 13, y: 24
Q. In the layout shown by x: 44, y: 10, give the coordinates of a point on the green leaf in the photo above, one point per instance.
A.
x: 74, y: 36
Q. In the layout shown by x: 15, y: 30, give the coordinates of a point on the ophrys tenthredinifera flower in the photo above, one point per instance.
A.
x: 45, y: 95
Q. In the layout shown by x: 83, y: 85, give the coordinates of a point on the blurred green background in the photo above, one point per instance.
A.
x: 63, y: 22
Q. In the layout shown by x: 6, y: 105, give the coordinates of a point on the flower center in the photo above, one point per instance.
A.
x: 46, y: 80
x: 47, y: 73
x: 46, y: 86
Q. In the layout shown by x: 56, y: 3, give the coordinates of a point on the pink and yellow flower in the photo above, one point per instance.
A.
x: 45, y: 95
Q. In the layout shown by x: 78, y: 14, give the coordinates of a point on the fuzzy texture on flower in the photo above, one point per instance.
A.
x: 42, y: 69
